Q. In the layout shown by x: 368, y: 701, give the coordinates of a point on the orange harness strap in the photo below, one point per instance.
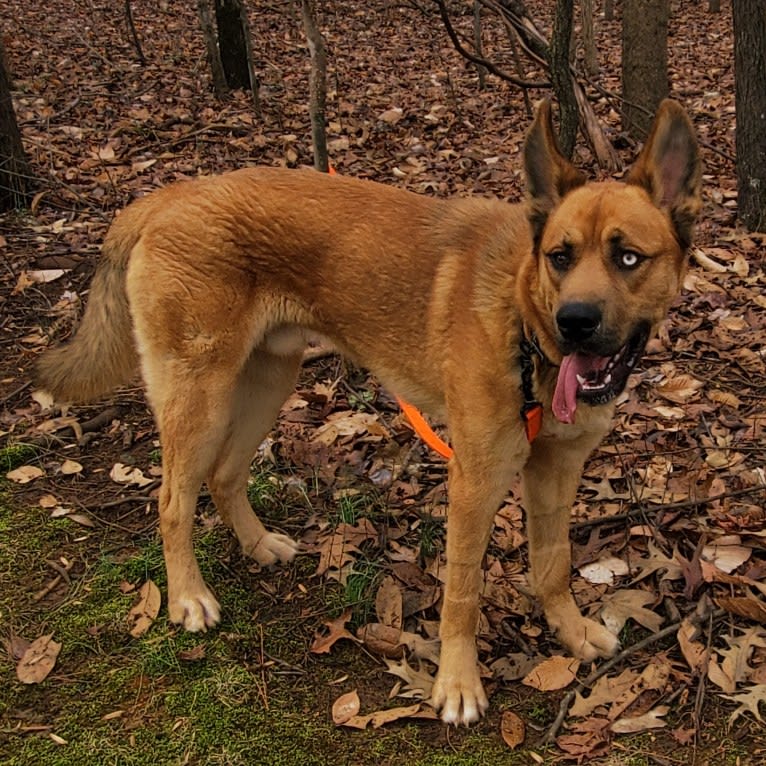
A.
x: 423, y: 430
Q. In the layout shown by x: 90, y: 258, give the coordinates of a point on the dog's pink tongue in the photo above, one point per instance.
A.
x: 565, y: 396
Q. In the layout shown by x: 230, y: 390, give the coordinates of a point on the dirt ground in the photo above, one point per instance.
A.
x: 673, y: 491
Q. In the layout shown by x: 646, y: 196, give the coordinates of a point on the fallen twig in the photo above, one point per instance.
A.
x: 566, y: 702
x: 654, y: 509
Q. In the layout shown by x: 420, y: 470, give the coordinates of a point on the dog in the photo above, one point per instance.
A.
x: 517, y: 324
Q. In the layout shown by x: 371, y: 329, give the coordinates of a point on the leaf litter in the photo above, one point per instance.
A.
x: 682, y: 475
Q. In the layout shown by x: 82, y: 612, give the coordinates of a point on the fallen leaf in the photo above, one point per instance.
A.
x: 38, y: 660
x: 382, y: 717
x: 629, y: 604
x: 388, y: 603
x: 345, y: 707
x: 553, y: 673
x: 512, y: 729
x: 604, y: 692
x: 726, y: 557
x: 69, y: 467
x: 123, y: 474
x: 417, y: 683
x: 25, y: 474
x: 323, y: 642
x: 604, y: 570
x: 749, y: 701
x: 192, y: 655
x: 143, y: 614
x: 694, y: 652
x: 649, y: 720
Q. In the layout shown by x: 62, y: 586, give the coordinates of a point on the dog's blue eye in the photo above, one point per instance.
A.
x: 628, y: 259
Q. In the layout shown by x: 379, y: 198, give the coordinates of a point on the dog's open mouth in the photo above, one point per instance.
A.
x: 595, y: 379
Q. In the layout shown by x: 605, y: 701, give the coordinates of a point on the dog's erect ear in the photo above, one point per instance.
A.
x: 670, y: 170
x: 549, y: 174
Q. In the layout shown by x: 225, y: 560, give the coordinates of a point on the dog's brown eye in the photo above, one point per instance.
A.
x: 561, y: 260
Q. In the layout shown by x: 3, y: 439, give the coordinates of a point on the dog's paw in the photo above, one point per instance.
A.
x: 587, y: 639
x: 273, y: 547
x: 460, y: 697
x: 194, y: 611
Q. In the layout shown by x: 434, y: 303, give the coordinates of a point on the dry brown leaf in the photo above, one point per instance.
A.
x: 749, y: 701
x: 649, y: 720
x: 24, y: 474
x: 388, y: 603
x: 623, y: 605
x: 381, y: 717
x: 345, y: 707
x: 748, y: 606
x: 70, y: 467
x: 336, y: 629
x: 146, y: 609
x: 604, y: 570
x: 694, y: 652
x: 382, y: 639
x: 727, y: 557
x: 553, y: 673
x: 604, y: 692
x: 512, y: 729
x: 124, y: 474
x: 38, y: 660
x: 417, y: 683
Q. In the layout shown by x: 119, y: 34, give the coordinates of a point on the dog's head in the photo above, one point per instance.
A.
x: 608, y: 257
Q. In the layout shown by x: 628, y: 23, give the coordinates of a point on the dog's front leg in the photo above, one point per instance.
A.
x: 550, y: 480
x: 477, y: 486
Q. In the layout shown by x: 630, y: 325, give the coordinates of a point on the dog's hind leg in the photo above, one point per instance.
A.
x: 262, y: 387
x: 192, y: 434
x: 550, y: 480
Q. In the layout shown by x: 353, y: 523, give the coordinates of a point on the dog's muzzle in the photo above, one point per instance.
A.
x: 595, y: 367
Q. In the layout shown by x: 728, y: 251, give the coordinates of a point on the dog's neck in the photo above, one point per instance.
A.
x: 532, y: 408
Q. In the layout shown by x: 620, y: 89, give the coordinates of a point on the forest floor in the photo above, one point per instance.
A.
x: 668, y: 528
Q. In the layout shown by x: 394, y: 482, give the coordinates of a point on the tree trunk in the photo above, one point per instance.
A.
x: 15, y: 175
x: 561, y: 76
x: 608, y: 10
x: 714, y: 6
x: 317, y: 86
x: 750, y: 101
x: 232, y: 42
x: 211, y: 45
x: 644, y: 62
x: 590, y: 55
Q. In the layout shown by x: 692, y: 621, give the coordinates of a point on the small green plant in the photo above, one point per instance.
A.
x: 431, y: 535
x: 15, y: 455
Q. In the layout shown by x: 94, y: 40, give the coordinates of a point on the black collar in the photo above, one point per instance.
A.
x: 531, y: 409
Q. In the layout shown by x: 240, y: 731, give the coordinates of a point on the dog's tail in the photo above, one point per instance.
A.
x: 102, y: 355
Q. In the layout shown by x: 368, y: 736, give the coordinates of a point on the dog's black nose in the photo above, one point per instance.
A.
x: 578, y: 321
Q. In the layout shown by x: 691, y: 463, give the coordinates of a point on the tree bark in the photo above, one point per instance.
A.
x: 211, y: 45
x: 750, y: 103
x: 644, y: 62
x: 561, y: 76
x: 590, y: 55
x: 15, y: 175
x: 317, y: 86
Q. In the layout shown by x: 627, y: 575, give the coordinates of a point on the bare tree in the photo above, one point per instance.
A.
x: 750, y: 101
x: 204, y: 11
x: 590, y: 56
x: 15, y: 175
x: 317, y: 85
x: 644, y: 62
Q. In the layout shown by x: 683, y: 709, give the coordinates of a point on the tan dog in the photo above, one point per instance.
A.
x: 214, y: 286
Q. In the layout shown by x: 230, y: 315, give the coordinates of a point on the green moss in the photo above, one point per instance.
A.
x: 15, y: 455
